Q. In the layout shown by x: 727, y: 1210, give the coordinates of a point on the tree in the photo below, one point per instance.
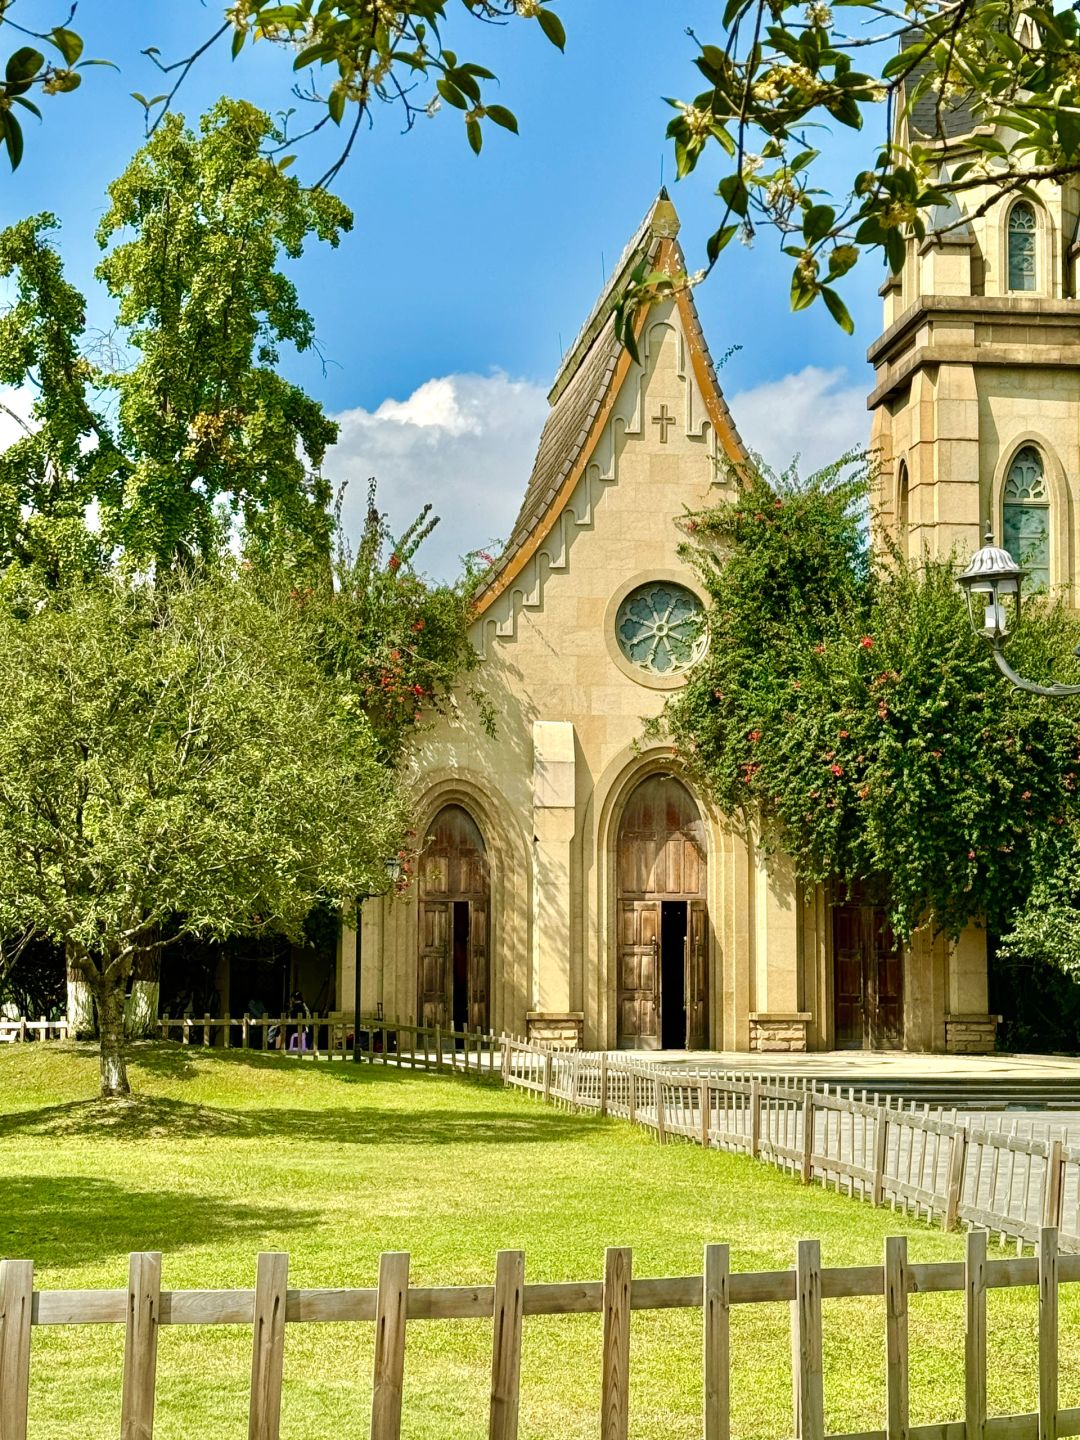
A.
x: 846, y: 711
x: 174, y: 762
x: 188, y: 412
x: 375, y: 52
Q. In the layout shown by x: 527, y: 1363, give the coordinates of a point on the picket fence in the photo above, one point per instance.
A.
x: 144, y: 1307
x: 381, y: 1041
x: 874, y: 1148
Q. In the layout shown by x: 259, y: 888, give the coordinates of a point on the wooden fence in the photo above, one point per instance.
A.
x: 871, y: 1147
x: 271, y: 1306
x: 316, y: 1037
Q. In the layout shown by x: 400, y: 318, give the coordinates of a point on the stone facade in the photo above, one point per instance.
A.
x: 599, y: 926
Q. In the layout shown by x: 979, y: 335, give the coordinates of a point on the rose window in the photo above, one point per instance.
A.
x: 661, y: 628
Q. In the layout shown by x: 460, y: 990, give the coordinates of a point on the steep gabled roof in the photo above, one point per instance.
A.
x: 586, y: 386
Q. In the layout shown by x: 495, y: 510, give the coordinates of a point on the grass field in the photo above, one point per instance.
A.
x: 226, y: 1154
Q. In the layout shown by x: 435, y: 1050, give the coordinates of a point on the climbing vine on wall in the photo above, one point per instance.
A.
x: 846, y: 710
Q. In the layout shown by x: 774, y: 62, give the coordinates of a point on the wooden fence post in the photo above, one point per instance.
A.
x: 957, y: 1158
x: 268, y: 1346
x: 806, y: 1172
x: 140, y: 1346
x: 16, y: 1302
x: 661, y: 1124
x: 807, y: 1314
x: 603, y: 1083
x: 704, y: 1105
x: 245, y: 1032
x: 896, y: 1338
x: 717, y: 1321
x: 506, y: 1345
x: 391, y: 1305
x: 615, y: 1385
x: 755, y: 1118
x: 505, y: 1063
x: 881, y: 1141
x: 1052, y: 1189
x: 631, y: 1102
x: 1048, y: 1333
x: 547, y: 1077
x: 975, y: 1336
x: 438, y: 1047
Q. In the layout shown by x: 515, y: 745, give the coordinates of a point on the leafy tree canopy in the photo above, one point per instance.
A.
x: 349, y: 57
x: 845, y: 709
x: 173, y: 758
x: 994, y: 84
x: 184, y: 409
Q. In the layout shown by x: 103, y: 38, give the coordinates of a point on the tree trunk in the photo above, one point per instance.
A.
x: 141, y: 1012
x: 114, y: 1080
x: 82, y: 1023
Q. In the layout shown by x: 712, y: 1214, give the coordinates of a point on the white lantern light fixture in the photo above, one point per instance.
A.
x: 992, y: 583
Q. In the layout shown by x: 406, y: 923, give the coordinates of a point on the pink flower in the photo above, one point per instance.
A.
x: 866, y: 643
x: 837, y: 769
x: 755, y: 736
x: 971, y: 854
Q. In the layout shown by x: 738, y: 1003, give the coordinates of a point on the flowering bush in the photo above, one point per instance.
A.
x: 845, y: 707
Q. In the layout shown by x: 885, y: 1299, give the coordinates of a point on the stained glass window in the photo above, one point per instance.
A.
x: 1026, y: 510
x: 1022, y: 234
x: 661, y: 627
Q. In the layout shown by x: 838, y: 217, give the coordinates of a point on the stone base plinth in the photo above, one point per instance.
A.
x: 561, y: 1031
x: 776, y: 1031
x: 971, y: 1034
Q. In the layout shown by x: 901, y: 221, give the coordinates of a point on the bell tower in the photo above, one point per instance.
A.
x: 976, y: 398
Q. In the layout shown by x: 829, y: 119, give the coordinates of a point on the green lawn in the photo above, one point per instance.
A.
x: 227, y: 1154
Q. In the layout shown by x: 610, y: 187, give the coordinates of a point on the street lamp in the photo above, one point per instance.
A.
x: 992, y: 579
x: 393, y: 873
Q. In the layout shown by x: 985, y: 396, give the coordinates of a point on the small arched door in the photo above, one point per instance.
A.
x: 454, y: 899
x: 663, y: 923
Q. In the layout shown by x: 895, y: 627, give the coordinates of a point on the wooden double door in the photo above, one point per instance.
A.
x: 663, y: 924
x: 453, y: 959
x: 663, y: 974
x: 868, y: 980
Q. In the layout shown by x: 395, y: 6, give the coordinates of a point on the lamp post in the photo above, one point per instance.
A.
x: 992, y: 580
x: 393, y: 870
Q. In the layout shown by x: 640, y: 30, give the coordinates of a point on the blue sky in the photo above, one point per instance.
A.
x: 442, y: 315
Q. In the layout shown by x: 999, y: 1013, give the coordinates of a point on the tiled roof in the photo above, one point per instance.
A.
x: 956, y: 119
x: 582, y: 384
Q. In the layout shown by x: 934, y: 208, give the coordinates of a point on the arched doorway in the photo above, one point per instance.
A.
x: 663, y: 926
x: 454, y: 891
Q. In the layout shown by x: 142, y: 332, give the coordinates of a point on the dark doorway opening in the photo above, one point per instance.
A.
x: 461, y: 965
x: 673, y: 974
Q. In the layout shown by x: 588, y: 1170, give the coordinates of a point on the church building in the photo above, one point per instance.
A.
x: 572, y: 884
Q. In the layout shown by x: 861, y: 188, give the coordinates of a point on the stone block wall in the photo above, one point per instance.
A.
x: 778, y: 1032
x: 971, y: 1034
x: 561, y: 1031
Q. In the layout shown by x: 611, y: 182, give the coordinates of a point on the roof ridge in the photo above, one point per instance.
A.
x: 660, y: 222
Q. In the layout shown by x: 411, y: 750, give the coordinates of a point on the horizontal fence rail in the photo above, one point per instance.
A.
x: 272, y: 1305
x: 931, y: 1164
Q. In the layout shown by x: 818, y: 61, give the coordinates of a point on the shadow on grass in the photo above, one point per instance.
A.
x: 68, y: 1220
x: 146, y: 1118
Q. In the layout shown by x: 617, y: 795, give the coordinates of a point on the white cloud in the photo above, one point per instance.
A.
x: 813, y: 414
x: 464, y: 442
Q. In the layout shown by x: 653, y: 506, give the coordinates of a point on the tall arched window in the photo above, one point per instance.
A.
x: 1023, y: 232
x: 902, y: 506
x: 1026, y: 516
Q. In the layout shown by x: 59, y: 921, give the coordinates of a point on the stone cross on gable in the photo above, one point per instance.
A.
x: 665, y: 421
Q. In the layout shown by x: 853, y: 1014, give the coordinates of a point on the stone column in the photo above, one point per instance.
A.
x: 554, y: 820
x: 777, y: 1022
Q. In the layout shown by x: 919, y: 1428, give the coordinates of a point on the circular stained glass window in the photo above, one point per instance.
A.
x: 661, y: 627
